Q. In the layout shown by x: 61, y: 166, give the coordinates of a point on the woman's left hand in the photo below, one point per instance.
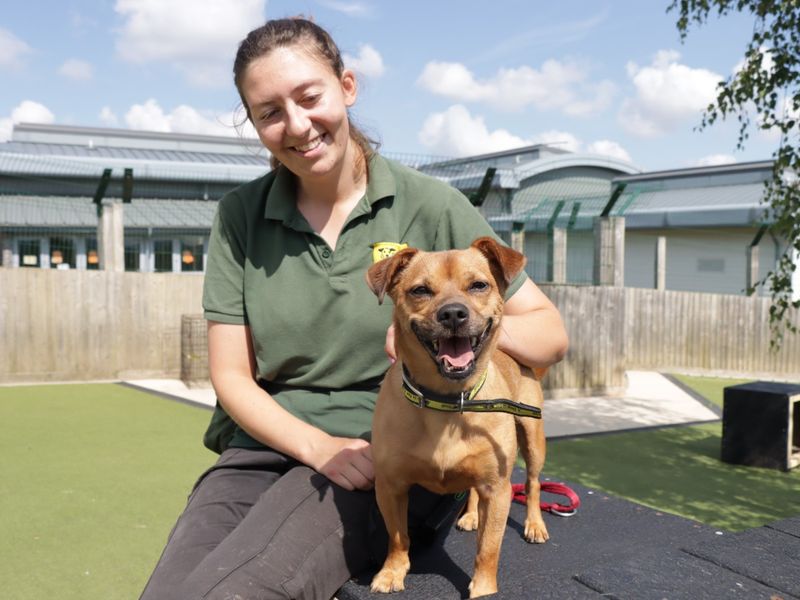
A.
x: 391, y: 353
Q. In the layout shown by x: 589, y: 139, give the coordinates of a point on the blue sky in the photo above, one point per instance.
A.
x: 445, y: 78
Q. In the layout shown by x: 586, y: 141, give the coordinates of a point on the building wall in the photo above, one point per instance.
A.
x: 698, y: 260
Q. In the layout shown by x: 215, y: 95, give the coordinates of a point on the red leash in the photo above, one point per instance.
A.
x: 562, y: 510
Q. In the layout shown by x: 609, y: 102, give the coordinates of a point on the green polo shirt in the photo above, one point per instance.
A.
x: 318, y: 331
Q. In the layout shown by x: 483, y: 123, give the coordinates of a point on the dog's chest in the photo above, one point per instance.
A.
x: 455, y: 458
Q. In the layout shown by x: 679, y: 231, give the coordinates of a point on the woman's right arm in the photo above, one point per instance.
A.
x: 345, y: 461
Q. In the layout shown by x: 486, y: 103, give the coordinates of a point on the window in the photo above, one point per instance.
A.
x: 62, y: 253
x: 192, y: 254
x: 132, y: 253
x: 29, y: 253
x: 162, y: 249
x: 92, y: 255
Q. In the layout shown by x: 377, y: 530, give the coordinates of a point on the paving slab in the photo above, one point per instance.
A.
x: 651, y: 400
x: 672, y: 574
x: 764, y: 554
x: 790, y: 526
x: 176, y: 389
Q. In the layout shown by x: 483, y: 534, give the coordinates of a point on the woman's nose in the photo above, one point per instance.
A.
x: 297, y: 121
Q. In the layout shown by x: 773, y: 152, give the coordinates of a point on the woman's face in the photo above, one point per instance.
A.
x: 299, y: 109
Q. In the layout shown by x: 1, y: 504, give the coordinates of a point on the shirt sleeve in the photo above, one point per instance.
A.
x: 460, y: 224
x: 223, y: 287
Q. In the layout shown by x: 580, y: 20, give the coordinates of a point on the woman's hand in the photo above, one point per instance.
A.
x: 391, y: 353
x: 345, y: 461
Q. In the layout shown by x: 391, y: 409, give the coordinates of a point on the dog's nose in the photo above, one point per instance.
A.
x: 452, y: 315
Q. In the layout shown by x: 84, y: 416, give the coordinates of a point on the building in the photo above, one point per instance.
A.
x: 51, y: 174
x: 698, y: 229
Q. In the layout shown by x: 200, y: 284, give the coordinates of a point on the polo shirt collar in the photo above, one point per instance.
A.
x: 281, y: 205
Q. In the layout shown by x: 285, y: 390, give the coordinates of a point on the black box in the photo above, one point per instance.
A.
x: 761, y: 425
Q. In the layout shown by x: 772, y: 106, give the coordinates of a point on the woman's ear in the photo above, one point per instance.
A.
x: 349, y: 87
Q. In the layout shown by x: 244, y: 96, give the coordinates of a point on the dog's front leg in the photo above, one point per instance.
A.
x: 493, y: 508
x: 393, y: 503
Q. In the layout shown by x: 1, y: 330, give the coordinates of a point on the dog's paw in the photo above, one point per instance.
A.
x: 536, y: 532
x: 479, y: 588
x: 468, y: 521
x: 387, y: 580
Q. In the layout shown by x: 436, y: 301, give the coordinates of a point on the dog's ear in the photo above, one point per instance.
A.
x: 505, y: 262
x: 382, y: 275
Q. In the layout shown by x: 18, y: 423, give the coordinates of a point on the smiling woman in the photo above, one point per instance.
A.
x: 296, y: 337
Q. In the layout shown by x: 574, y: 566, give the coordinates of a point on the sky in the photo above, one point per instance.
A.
x: 446, y: 78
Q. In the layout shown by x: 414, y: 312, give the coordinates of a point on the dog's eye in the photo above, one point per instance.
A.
x: 478, y: 286
x: 420, y: 291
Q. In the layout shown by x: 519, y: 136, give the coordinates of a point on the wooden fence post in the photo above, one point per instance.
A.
x: 609, y: 251
x: 661, y: 263
x: 557, y: 255
x: 518, y: 237
x: 110, y: 237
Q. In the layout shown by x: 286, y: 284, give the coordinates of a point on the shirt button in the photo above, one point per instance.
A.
x: 326, y: 253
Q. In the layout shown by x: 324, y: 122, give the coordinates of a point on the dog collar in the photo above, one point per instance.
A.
x: 423, y: 398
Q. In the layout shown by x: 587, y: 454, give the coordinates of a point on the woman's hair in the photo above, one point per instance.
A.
x: 294, y: 31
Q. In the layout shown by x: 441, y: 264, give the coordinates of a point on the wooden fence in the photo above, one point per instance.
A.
x: 92, y: 325
x: 96, y: 325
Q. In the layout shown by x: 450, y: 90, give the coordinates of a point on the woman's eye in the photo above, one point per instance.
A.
x: 421, y: 291
x: 268, y: 115
x: 478, y: 286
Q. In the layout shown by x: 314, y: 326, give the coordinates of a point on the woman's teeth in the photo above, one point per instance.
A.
x: 310, y: 145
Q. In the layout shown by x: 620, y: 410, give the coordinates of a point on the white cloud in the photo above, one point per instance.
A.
x: 12, y: 50
x: 668, y: 95
x: 198, y: 37
x: 352, y: 9
x: 456, y: 132
x: 368, y: 62
x: 78, y: 70
x: 107, y: 117
x: 609, y: 148
x: 183, y: 119
x: 715, y: 159
x: 556, y: 85
x: 26, y: 111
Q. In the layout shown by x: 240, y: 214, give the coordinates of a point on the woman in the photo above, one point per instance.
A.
x: 296, y: 339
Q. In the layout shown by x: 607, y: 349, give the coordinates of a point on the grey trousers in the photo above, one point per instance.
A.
x: 259, y: 525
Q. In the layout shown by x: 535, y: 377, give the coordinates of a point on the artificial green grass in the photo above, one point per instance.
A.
x: 93, y: 479
x: 678, y: 470
x: 95, y: 475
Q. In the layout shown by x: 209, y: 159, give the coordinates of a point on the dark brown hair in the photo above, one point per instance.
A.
x: 293, y: 31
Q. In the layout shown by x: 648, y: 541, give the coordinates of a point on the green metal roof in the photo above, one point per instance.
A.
x: 62, y: 212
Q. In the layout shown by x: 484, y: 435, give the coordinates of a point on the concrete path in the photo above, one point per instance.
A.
x: 650, y: 400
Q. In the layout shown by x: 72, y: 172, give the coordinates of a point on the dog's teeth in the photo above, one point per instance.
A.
x: 473, y: 341
x: 435, y: 346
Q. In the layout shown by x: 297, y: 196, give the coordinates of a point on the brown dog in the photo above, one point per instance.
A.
x: 448, y: 307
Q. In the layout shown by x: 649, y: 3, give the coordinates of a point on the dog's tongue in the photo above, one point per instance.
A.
x: 456, y: 351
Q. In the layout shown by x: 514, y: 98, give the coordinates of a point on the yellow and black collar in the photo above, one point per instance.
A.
x: 464, y: 401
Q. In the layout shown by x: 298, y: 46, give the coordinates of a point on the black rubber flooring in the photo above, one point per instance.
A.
x: 612, y: 548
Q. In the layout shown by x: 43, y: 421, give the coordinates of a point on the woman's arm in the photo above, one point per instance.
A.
x: 347, y: 462
x: 532, y: 331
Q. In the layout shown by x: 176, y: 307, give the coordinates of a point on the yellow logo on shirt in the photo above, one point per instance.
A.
x: 381, y: 250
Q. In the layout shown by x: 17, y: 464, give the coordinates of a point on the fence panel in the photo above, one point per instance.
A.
x: 710, y: 333
x: 93, y: 325
x: 90, y: 325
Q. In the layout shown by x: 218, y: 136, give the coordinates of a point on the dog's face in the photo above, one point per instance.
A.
x: 448, y: 305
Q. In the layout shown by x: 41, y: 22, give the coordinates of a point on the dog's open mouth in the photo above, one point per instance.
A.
x: 455, y: 355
